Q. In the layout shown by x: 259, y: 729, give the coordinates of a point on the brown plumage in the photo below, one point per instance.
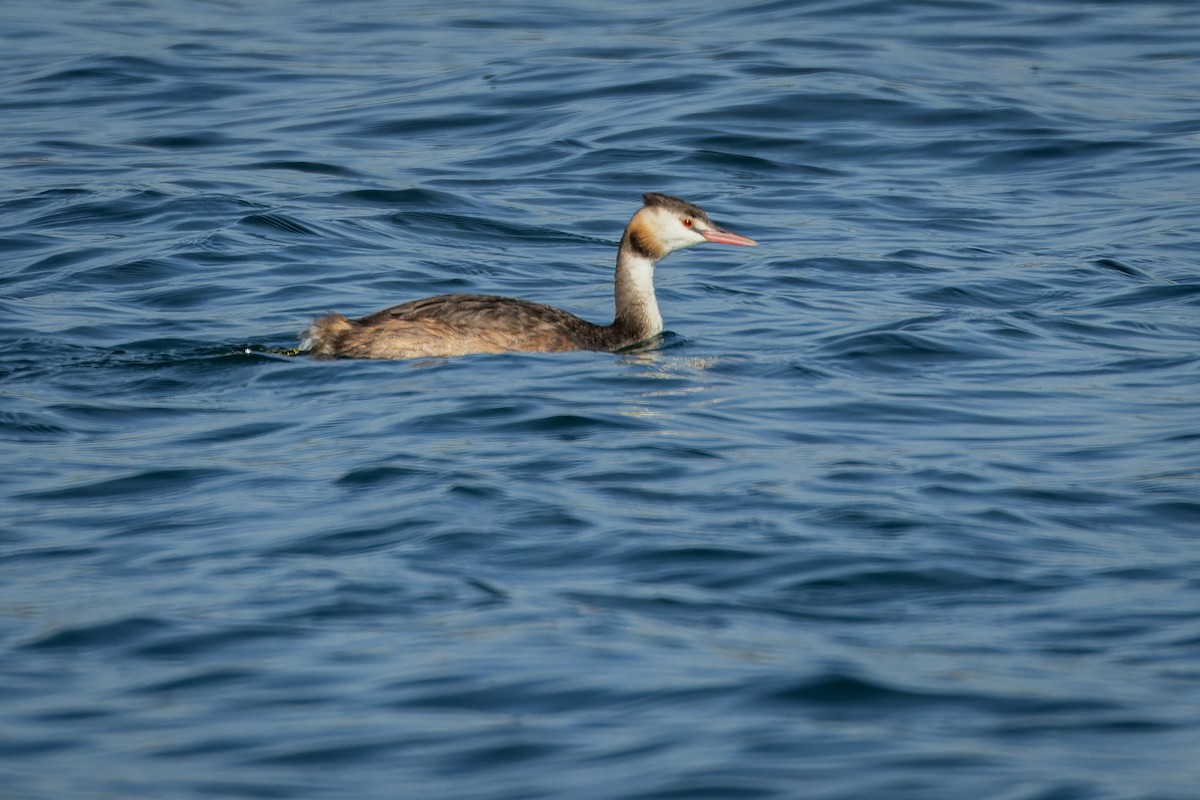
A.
x: 460, y: 324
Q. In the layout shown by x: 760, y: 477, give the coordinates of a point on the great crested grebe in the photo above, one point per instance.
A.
x: 460, y: 324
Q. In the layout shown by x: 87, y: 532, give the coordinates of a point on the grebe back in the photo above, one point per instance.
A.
x: 461, y: 324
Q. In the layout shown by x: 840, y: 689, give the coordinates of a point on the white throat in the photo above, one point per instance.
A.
x: 636, y: 303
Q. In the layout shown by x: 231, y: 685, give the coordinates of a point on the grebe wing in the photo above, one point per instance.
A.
x: 474, y: 310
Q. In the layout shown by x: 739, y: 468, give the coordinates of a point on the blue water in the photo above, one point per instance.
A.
x: 906, y: 505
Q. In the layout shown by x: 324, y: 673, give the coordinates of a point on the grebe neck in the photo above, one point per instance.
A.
x: 637, y: 308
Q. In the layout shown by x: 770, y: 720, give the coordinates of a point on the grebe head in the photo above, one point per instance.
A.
x: 666, y: 224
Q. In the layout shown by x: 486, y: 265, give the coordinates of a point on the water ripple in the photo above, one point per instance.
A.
x: 902, y: 505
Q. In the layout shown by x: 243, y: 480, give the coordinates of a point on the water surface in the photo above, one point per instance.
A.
x: 904, y: 506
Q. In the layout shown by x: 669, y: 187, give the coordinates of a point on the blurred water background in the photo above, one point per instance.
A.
x: 907, y: 505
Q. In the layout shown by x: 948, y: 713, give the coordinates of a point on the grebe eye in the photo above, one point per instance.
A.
x: 687, y: 223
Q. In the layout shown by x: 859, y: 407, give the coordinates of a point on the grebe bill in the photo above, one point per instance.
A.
x: 462, y: 324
